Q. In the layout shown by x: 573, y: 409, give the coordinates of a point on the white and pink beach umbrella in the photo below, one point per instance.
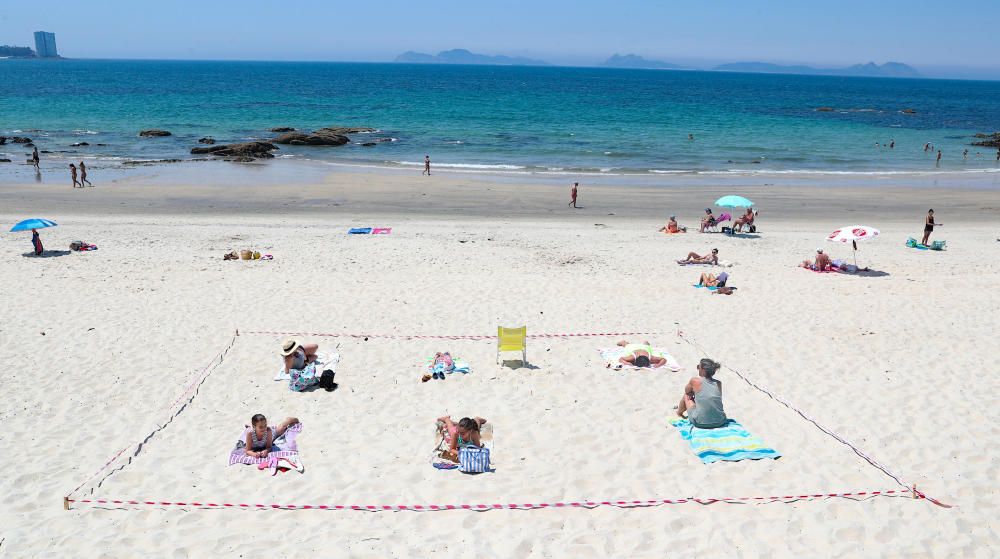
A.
x: 853, y: 234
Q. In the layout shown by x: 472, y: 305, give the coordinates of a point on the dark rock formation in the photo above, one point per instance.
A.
x: 80, y: 144
x: 909, y: 111
x: 4, y: 160
x: 250, y: 150
x: 154, y: 132
x: 369, y: 144
x: 988, y: 140
x: 317, y: 138
x: 280, y: 129
x: 825, y: 109
x: 344, y: 130
x: 20, y: 140
x: 206, y: 141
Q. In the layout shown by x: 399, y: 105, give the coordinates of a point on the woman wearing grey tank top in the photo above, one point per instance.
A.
x: 703, y: 398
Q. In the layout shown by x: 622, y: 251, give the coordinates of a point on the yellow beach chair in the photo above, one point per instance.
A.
x: 512, y: 339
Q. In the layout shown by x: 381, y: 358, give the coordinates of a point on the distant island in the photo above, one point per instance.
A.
x: 887, y: 70
x: 8, y: 51
x: 636, y: 61
x: 462, y: 56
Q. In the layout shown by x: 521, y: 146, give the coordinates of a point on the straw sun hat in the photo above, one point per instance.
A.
x: 289, y: 345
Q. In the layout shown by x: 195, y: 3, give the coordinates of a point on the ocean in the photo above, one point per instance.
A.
x: 545, y: 120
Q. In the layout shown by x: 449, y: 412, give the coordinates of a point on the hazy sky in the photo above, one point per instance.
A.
x: 918, y: 32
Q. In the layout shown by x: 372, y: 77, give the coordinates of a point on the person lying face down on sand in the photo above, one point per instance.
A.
x: 702, y: 399
x: 822, y: 262
x: 261, y: 437
x: 695, y: 258
x: 296, y: 355
x: 672, y: 227
x: 463, y: 433
x: 640, y: 355
x: 712, y: 280
x: 707, y: 221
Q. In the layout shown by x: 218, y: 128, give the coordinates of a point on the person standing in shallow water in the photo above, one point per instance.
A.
x: 427, y: 166
x: 938, y: 162
x: 72, y: 173
x: 83, y: 175
x: 572, y: 194
x: 34, y: 158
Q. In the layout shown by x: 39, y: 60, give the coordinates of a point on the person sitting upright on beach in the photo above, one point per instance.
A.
x: 821, y: 264
x: 296, y: 355
x: 702, y: 399
x: 745, y: 221
x: 640, y: 355
x: 708, y: 220
x: 695, y: 258
x: 457, y: 435
x: 672, y: 227
x: 260, y: 439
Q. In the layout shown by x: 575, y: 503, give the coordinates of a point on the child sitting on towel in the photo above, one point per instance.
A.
x: 464, y: 433
x: 260, y: 439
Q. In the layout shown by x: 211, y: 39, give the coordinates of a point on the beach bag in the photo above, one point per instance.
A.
x: 300, y: 379
x: 326, y: 380
x: 473, y: 459
x: 246, y: 255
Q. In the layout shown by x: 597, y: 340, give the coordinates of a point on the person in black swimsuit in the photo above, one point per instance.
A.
x: 928, y: 226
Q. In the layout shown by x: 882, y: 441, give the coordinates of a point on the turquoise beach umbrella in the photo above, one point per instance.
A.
x: 33, y: 223
x: 732, y: 201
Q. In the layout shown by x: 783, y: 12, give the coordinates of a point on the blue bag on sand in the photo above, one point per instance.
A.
x: 473, y: 459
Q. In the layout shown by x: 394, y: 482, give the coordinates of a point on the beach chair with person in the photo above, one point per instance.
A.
x: 712, y: 224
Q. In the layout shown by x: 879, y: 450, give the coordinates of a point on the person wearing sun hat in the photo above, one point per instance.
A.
x: 296, y: 355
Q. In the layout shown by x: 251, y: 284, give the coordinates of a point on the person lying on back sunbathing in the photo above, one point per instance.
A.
x: 463, y: 433
x: 296, y: 355
x: 260, y: 439
x: 640, y: 355
x: 821, y: 263
x: 712, y: 280
x: 702, y: 399
x: 672, y: 227
x: 695, y: 258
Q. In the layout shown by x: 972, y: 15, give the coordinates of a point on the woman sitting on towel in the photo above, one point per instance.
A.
x: 822, y: 262
x: 640, y: 355
x: 464, y: 433
x: 703, y: 398
x: 695, y: 258
x: 261, y: 437
x: 296, y: 355
x: 712, y: 280
x: 672, y: 227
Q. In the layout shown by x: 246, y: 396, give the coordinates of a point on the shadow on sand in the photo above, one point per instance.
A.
x: 46, y: 254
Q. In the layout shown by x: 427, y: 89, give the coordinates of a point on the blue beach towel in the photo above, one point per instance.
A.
x: 360, y: 231
x: 708, y: 287
x: 730, y: 442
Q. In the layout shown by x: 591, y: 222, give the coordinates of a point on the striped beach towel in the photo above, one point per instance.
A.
x: 282, y: 447
x: 730, y: 442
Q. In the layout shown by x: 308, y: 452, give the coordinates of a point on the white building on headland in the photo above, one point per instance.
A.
x: 45, y: 44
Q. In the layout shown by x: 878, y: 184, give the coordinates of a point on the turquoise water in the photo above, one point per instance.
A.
x: 502, y: 119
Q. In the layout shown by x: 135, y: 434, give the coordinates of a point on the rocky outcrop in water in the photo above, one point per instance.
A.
x: 988, y: 140
x: 280, y: 129
x: 209, y: 141
x: 345, y: 130
x: 317, y: 138
x: 79, y: 144
x: 909, y: 111
x: 14, y: 140
x: 243, y: 152
x: 4, y: 160
x: 154, y: 133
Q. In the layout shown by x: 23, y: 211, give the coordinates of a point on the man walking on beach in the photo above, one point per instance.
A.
x: 572, y: 194
x: 427, y: 166
x: 72, y: 172
x: 34, y: 158
x: 83, y: 175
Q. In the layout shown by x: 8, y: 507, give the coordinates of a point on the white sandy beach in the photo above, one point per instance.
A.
x: 99, y: 345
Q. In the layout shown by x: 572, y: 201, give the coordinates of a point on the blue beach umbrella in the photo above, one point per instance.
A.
x: 732, y: 201
x: 33, y: 223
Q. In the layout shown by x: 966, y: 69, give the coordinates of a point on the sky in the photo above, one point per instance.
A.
x: 942, y: 36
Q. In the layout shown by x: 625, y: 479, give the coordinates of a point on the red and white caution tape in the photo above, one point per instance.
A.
x: 447, y: 337
x: 504, y: 506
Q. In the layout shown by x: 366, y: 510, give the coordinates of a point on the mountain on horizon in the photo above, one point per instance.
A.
x: 636, y: 61
x: 463, y: 56
x: 887, y: 70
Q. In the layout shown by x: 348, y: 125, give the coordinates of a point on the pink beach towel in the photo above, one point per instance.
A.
x: 381, y: 230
